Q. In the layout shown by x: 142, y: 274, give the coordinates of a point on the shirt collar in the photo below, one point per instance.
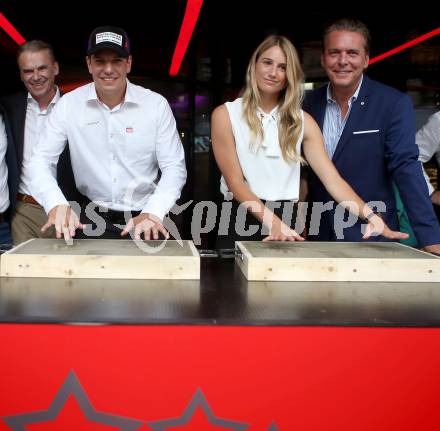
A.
x: 130, y: 96
x: 272, y: 113
x: 52, y: 102
x: 269, y: 123
x: 352, y: 98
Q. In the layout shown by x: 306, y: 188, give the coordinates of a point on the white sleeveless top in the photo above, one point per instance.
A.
x: 267, y: 174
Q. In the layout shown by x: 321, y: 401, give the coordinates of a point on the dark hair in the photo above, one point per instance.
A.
x: 35, y: 46
x: 348, y: 24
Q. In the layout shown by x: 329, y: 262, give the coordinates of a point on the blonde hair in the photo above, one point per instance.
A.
x: 289, y: 105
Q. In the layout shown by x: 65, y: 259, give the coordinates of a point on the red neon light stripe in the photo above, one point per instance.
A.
x: 405, y: 45
x: 188, y: 24
x: 11, y: 31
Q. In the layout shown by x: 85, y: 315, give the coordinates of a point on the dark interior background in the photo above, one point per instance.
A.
x: 224, y: 37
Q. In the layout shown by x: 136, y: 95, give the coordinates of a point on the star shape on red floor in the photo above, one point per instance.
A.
x: 71, y: 386
x: 198, y: 400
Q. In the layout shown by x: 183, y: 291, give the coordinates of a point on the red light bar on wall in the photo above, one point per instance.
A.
x: 11, y: 31
x: 405, y: 46
x: 188, y: 24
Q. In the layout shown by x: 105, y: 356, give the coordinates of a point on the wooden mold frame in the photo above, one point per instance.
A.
x: 101, y: 258
x: 335, y: 261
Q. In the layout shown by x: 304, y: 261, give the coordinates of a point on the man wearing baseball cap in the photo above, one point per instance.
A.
x: 126, y: 154
x: 109, y: 37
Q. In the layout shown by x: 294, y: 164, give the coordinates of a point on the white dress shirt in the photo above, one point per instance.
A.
x: 116, y: 153
x: 267, y: 174
x: 428, y: 140
x: 4, y: 191
x: 34, y: 125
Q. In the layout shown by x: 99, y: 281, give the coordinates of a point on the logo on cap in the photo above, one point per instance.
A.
x: 109, y: 36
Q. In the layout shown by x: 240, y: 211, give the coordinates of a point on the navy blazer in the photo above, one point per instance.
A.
x: 15, y: 106
x: 371, y: 161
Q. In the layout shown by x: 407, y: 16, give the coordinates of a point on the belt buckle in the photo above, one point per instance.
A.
x: 111, y: 216
x: 117, y: 217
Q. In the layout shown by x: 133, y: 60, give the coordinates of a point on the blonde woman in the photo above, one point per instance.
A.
x: 258, y: 141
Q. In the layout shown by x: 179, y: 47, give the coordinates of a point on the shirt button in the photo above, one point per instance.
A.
x: 114, y: 180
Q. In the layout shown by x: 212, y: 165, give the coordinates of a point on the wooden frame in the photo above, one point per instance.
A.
x: 335, y: 261
x: 102, y: 258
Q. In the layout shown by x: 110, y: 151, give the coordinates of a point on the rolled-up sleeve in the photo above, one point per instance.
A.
x: 428, y: 141
x: 4, y: 191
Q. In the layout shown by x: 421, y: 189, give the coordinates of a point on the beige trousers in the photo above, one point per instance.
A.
x: 27, y: 221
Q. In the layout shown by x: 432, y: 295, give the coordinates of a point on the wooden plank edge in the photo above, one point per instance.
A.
x: 242, y: 258
x: 61, y: 267
x: 343, y: 270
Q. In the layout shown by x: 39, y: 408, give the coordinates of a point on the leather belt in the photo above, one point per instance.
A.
x: 26, y: 198
x: 109, y: 215
x: 113, y: 216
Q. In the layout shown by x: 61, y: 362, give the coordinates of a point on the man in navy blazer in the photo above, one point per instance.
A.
x: 369, y: 133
